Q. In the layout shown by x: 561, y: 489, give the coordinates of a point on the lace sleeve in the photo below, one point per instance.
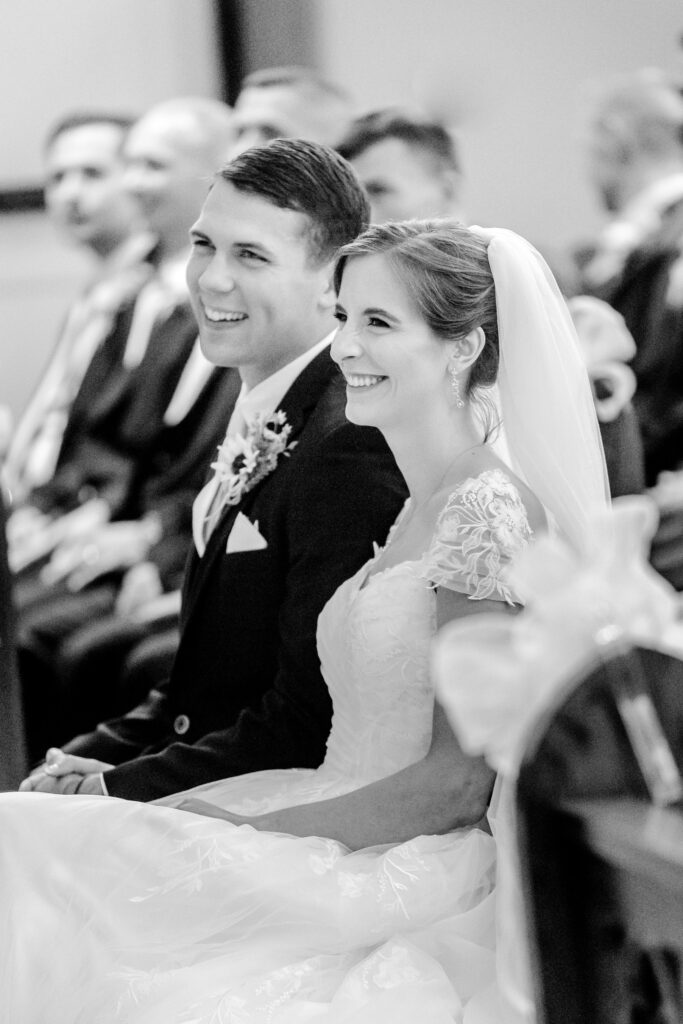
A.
x: 482, y: 527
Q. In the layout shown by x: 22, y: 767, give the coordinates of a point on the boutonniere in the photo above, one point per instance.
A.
x: 244, y: 461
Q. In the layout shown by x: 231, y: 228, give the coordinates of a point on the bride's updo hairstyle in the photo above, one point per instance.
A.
x: 445, y: 270
x: 460, y: 279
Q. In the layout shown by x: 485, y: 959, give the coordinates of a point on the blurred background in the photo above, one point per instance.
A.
x: 513, y: 80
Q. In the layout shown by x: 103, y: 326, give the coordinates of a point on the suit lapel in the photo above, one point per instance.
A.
x: 297, y: 405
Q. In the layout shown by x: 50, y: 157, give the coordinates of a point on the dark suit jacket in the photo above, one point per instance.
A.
x: 168, y: 478
x: 640, y: 296
x: 246, y: 691
x: 117, y: 414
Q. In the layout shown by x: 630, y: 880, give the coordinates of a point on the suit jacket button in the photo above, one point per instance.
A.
x: 181, y: 725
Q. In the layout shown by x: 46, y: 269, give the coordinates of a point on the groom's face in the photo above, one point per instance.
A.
x: 256, y: 294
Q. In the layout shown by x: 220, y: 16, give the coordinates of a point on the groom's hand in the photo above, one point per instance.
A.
x: 66, y: 773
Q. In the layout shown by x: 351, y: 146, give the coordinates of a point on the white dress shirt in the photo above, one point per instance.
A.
x: 162, y: 293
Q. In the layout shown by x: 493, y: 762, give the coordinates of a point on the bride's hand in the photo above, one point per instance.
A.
x: 207, y: 810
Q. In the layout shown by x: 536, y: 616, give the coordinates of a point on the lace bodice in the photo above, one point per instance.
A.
x: 374, y: 635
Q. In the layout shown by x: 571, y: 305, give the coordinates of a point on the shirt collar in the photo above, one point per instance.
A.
x: 265, y: 397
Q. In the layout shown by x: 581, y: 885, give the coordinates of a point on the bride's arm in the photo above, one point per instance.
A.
x: 446, y: 789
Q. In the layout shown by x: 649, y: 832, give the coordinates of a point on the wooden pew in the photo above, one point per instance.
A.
x: 600, y: 830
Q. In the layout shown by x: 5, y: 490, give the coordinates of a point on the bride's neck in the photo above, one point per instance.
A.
x: 426, y: 451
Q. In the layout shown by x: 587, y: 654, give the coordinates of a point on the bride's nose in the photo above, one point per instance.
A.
x: 345, y: 344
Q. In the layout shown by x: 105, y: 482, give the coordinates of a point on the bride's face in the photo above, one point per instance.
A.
x: 395, y: 366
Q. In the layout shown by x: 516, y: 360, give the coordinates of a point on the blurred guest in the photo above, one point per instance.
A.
x: 86, y: 199
x: 165, y: 411
x: 408, y: 165
x: 72, y: 644
x: 118, y: 408
x: 289, y: 102
x: 635, y: 158
x: 637, y: 266
x: 607, y: 346
x: 666, y: 553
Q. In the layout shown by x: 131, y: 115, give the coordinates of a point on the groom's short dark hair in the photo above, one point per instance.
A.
x: 310, y: 178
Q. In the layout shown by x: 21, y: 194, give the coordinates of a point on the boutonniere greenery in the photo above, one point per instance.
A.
x: 244, y: 461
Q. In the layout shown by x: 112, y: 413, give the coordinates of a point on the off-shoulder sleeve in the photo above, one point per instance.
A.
x: 480, y: 530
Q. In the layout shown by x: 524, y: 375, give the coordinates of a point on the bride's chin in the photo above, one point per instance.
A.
x: 354, y: 415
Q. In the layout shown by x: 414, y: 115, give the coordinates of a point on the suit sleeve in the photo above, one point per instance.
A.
x: 344, y: 497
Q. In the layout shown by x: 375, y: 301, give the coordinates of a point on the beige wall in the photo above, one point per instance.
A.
x: 512, y: 76
x: 60, y: 55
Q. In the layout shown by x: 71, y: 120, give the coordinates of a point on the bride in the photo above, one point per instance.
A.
x: 360, y: 891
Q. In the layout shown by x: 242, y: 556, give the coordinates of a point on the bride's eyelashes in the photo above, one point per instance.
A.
x: 372, y: 320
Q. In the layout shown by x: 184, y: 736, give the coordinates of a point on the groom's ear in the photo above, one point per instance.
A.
x: 328, y: 293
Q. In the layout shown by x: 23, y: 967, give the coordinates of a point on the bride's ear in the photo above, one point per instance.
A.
x: 466, y: 350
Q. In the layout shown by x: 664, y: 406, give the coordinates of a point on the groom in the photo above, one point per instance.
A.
x: 278, y: 535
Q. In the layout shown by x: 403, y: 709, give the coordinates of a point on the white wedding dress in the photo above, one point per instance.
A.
x: 114, y: 911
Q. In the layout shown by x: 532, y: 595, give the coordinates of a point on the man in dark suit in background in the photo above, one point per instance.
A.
x: 116, y: 414
x: 72, y: 645
x: 275, y: 538
x: 146, y: 370
x: 637, y: 264
x: 86, y: 199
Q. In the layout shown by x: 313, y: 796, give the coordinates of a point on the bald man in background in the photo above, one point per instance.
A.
x: 290, y: 102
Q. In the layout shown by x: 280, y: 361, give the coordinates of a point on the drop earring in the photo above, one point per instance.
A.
x: 455, y: 386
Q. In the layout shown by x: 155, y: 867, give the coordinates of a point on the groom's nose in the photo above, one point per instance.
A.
x: 216, y: 276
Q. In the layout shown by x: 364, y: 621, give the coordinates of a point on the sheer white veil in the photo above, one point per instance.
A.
x: 549, y: 424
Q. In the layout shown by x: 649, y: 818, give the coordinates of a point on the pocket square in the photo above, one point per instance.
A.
x: 244, y: 536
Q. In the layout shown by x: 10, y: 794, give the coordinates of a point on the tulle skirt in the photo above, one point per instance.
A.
x: 115, y: 911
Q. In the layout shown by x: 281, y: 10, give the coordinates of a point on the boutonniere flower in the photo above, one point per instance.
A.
x: 244, y: 461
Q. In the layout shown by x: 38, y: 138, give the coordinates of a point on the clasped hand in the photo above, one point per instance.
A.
x: 66, y: 774
x: 106, y: 548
